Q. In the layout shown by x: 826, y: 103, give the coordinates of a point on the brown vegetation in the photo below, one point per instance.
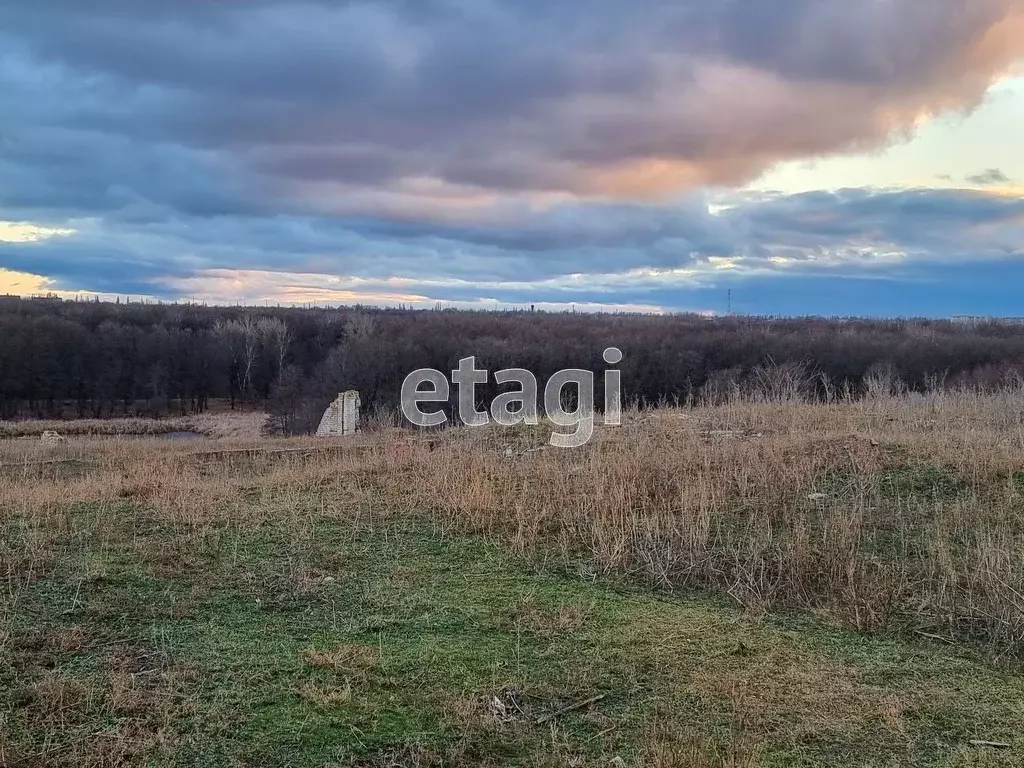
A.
x: 225, y: 424
x: 889, y: 514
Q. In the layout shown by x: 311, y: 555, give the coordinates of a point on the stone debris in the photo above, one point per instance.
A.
x: 507, y: 704
x: 512, y: 453
x: 342, y: 416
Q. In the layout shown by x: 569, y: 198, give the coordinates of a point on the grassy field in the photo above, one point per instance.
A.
x: 747, y: 585
x: 219, y: 425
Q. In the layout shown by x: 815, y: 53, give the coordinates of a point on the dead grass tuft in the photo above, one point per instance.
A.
x: 55, y: 700
x: 670, y: 744
x: 528, y: 616
x: 349, y: 660
x: 327, y: 696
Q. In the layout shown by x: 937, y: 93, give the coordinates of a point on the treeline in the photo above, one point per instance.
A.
x: 73, y: 359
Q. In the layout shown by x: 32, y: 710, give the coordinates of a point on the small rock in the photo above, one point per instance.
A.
x: 506, y: 704
x: 498, y: 708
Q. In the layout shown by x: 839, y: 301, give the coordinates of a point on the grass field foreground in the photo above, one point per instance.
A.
x: 748, y: 585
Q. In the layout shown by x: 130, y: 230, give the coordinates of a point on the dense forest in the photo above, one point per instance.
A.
x: 73, y: 359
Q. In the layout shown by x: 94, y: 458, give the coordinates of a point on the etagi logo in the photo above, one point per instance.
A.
x: 517, y: 406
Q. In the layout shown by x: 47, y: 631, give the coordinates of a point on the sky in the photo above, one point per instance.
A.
x: 774, y: 157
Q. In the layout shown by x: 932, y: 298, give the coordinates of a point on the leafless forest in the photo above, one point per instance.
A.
x: 62, y: 359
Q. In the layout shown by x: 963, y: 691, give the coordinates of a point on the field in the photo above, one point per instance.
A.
x: 751, y: 584
x: 216, y: 425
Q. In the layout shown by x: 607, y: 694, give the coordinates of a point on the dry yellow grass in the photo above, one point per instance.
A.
x: 243, y: 596
x: 219, y: 425
x: 887, y: 514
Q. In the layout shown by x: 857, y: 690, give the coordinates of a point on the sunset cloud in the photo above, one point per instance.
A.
x: 480, y: 141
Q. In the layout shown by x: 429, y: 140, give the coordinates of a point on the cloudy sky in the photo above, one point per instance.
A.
x: 850, y: 157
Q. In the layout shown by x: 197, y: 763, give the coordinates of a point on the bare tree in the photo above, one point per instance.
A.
x: 242, y: 339
x: 251, y: 347
x: 277, y: 336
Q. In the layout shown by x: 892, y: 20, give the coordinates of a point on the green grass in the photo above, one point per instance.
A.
x: 904, y: 481
x: 330, y: 644
x: 921, y: 481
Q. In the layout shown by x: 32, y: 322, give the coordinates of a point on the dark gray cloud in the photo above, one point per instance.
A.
x: 499, y: 95
x: 469, y: 138
x: 989, y: 178
x: 911, y: 226
x: 612, y: 245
